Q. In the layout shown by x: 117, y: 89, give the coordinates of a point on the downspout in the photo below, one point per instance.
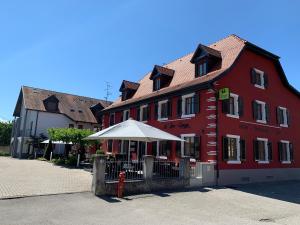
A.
x: 217, y: 135
x: 36, y: 122
x: 12, y: 134
x: 23, y: 135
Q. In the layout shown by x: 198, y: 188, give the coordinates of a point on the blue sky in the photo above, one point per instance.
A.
x: 76, y: 46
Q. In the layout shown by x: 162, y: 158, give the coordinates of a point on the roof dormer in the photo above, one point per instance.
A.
x: 161, y: 77
x: 128, y: 89
x: 51, y: 103
x: 206, y: 59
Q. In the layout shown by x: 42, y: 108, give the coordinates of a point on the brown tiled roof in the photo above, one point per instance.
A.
x: 162, y: 70
x: 75, y: 107
x: 129, y: 85
x: 184, y: 76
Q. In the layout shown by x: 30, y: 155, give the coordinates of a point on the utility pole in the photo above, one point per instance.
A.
x: 107, y: 91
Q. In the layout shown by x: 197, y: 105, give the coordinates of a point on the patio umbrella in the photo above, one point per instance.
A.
x: 56, y: 142
x: 132, y: 130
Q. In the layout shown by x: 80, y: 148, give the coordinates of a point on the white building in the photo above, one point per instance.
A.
x: 37, y: 110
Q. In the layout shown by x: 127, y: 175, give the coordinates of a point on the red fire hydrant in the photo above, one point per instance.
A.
x: 121, y: 184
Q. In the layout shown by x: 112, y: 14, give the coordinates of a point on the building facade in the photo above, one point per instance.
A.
x: 37, y: 110
x: 231, y: 103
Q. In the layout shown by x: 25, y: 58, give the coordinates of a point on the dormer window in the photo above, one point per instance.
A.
x: 206, y: 59
x: 51, y: 104
x: 161, y: 77
x: 128, y: 89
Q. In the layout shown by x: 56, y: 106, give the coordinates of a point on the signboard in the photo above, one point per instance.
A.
x: 224, y: 93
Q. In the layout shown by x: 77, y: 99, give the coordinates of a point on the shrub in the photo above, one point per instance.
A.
x: 6, y: 154
x: 58, y: 161
x: 71, y: 161
x: 42, y: 159
x: 100, y: 152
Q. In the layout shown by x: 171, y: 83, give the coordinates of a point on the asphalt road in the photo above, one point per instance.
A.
x: 274, y: 203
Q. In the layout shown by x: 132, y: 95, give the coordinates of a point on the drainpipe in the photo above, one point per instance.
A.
x: 12, y: 134
x: 35, y: 128
x: 23, y: 135
x: 217, y: 136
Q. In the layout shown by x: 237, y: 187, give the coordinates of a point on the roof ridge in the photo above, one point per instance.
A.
x: 230, y: 35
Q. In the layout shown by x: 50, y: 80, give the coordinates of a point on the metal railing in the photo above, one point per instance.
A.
x: 133, y: 170
x: 163, y: 169
x: 196, y: 170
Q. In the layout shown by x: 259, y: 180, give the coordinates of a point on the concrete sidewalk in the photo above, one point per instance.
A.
x: 21, y: 178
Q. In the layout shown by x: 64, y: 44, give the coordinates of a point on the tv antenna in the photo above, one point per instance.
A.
x: 107, y: 91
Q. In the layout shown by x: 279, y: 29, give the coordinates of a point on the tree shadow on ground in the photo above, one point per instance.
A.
x: 288, y: 191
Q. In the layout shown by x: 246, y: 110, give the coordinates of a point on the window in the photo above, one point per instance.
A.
x: 260, y: 111
x: 262, y: 150
x: 156, y: 84
x: 282, y: 116
x: 188, y: 108
x: 52, y: 106
x: 144, y: 113
x: 109, y: 145
x: 163, y: 110
x: 71, y: 125
x: 233, y: 149
x: 233, y: 107
x: 259, y: 78
x: 285, y: 152
x: 111, y: 119
x: 96, y: 129
x: 201, y: 69
x: 80, y: 126
x: 126, y: 115
x: 161, y: 149
x: 190, y: 146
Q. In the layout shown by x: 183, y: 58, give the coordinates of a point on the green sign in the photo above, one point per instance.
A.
x: 224, y: 93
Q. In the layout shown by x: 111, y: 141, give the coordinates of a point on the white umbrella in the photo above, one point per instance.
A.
x: 56, y: 142
x: 132, y: 130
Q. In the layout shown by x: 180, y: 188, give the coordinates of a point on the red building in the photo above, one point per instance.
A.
x: 230, y: 101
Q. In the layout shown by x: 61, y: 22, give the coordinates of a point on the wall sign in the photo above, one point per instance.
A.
x: 224, y: 93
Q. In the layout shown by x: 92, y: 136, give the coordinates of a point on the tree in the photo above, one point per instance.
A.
x: 68, y: 135
x: 5, y: 133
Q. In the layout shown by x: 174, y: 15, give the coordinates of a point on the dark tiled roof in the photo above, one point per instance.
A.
x: 129, y: 85
x: 75, y: 107
x: 162, y: 70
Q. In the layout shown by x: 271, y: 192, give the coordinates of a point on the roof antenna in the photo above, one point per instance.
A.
x: 108, y: 91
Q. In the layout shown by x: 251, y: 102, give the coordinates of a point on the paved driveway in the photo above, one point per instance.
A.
x: 20, y: 178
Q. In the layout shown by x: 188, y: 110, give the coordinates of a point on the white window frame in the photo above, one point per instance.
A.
x: 184, y: 97
x: 159, y: 110
x: 262, y: 80
x: 285, y: 119
x: 236, y: 106
x: 266, y: 161
x: 124, y: 113
x: 288, y: 161
x: 238, y: 148
x: 182, y: 143
x: 141, y: 112
x: 158, y: 151
x: 263, y: 112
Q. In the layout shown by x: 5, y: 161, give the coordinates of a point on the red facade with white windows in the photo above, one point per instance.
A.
x: 254, y: 133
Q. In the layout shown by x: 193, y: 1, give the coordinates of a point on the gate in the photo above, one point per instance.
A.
x: 202, y: 174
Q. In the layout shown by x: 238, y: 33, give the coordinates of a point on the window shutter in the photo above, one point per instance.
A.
x: 149, y: 112
x: 253, y: 76
x: 155, y: 110
x: 122, y: 115
x: 266, y: 80
x: 178, y: 148
x: 225, y: 148
x: 278, y: 117
x: 138, y: 110
x: 241, y: 106
x: 179, y: 107
x: 242, y: 150
x: 288, y: 117
x: 197, y: 103
x: 255, y: 150
x: 254, y: 108
x: 267, y: 108
x: 225, y: 106
x: 291, y: 152
x: 197, y: 144
x: 169, y: 108
x: 280, y: 151
x: 154, y: 148
x: 270, y: 155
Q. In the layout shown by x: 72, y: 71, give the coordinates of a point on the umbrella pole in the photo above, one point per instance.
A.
x: 128, y: 151
x: 146, y: 148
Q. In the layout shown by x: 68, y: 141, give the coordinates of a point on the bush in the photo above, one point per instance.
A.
x: 42, y: 159
x: 58, y: 161
x: 71, y: 161
x: 5, y: 154
x: 100, y: 152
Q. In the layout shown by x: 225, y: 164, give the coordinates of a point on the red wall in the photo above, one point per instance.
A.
x: 238, y: 80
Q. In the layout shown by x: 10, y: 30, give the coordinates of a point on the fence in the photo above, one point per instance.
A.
x: 133, y: 170
x: 165, y: 169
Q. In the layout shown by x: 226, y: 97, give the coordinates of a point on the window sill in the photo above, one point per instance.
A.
x: 263, y: 162
x: 286, y: 162
x: 259, y: 86
x: 283, y: 125
x: 234, y: 162
x: 233, y: 116
x: 162, y: 119
x: 261, y: 121
x: 188, y: 116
